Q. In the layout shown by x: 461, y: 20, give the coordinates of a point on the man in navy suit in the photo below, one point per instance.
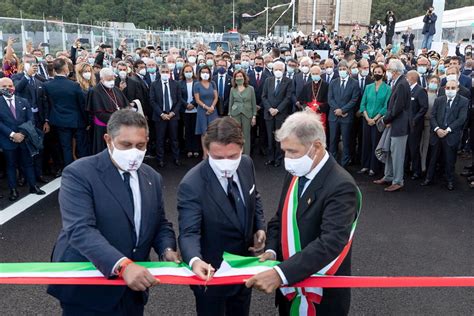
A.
x: 113, y: 215
x: 454, y: 73
x: 220, y: 210
x: 343, y: 94
x: 448, y: 117
x: 15, y: 111
x: 29, y: 85
x: 223, y: 83
x: 166, y: 102
x: 300, y: 80
x: 330, y: 73
x: 67, y: 111
x: 257, y: 81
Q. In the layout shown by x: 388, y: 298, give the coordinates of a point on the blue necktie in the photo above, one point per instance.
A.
x: 221, y: 86
x: 301, y: 183
x: 167, y: 99
x: 277, y: 87
x: 236, y: 200
x: 126, y: 180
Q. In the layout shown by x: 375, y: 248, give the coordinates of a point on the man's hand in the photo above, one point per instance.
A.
x: 267, y: 281
x: 165, y: 117
x: 338, y: 112
x: 441, y: 133
x: 122, y: 85
x: 138, y: 278
x: 254, y: 121
x: 203, y: 270
x: 18, y: 137
x: 33, y: 70
x: 189, y: 107
x: 259, y: 239
x: 46, y: 128
x: 172, y: 256
x: 267, y: 255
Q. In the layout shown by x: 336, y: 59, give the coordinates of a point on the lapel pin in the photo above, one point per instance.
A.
x: 149, y: 182
x: 309, y: 201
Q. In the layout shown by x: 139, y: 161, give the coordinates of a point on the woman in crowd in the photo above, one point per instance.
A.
x: 373, y: 107
x: 243, y: 106
x: 433, y: 87
x: 104, y: 99
x: 11, y: 62
x: 205, y: 96
x: 186, y: 85
x: 85, y: 78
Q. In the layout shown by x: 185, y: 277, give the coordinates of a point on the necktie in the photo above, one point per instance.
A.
x: 305, y: 77
x: 126, y: 180
x: 167, y: 99
x: 301, y: 183
x: 362, y: 84
x: 221, y: 86
x: 236, y: 200
x: 277, y: 86
x: 446, y: 112
x: 343, y: 84
x: 12, y: 108
x: 258, y: 79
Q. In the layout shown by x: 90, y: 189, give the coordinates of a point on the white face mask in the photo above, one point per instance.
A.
x: 109, y: 84
x: 278, y: 74
x: 171, y: 66
x: 389, y: 75
x: 205, y: 76
x: 122, y: 75
x: 192, y: 59
x: 129, y: 159
x: 270, y: 65
x: 142, y: 72
x: 299, y: 167
x: 225, y: 167
x: 305, y: 69
x: 451, y: 94
x: 451, y: 77
x: 329, y: 71
x: 86, y: 75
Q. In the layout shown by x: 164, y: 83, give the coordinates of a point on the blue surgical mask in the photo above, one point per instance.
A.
x: 365, y: 56
x: 421, y: 69
x: 290, y: 70
x: 343, y: 74
x: 442, y: 68
x: 179, y: 65
x: 188, y: 75
x: 433, y: 86
x: 237, y: 67
x: 354, y: 71
x: 315, y: 77
x: 245, y: 64
x: 151, y: 70
x: 433, y: 62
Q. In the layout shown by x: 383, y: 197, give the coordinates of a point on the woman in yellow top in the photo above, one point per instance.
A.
x: 373, y: 107
x: 243, y: 105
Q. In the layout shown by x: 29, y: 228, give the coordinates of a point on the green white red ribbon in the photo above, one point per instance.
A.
x: 234, y: 270
x: 304, y: 298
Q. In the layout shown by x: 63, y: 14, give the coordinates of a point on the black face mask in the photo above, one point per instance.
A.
x: 378, y: 77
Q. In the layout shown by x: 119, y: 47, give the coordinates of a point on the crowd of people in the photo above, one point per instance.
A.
x: 418, y: 104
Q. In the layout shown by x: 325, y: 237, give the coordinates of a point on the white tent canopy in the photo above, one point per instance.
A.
x: 461, y: 17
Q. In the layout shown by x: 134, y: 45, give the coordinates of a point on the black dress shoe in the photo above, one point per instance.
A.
x: 277, y: 164
x: 269, y: 162
x: 426, y: 183
x: 470, y: 179
x: 37, y: 190
x: 177, y: 162
x: 42, y: 179
x: 161, y: 164
x: 415, y: 176
x: 450, y: 186
x: 467, y: 173
x: 13, y: 195
x: 21, y: 182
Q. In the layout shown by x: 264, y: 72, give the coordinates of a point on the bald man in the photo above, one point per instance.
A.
x: 14, y: 113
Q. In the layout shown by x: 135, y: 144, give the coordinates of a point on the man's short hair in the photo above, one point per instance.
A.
x: 125, y: 117
x: 58, y: 64
x: 306, y: 126
x: 105, y: 72
x: 224, y: 131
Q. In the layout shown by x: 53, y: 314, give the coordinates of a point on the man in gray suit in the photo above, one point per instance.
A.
x: 397, y: 118
x: 276, y: 100
x: 343, y: 95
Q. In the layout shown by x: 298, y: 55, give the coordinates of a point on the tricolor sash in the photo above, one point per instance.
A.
x: 303, y: 299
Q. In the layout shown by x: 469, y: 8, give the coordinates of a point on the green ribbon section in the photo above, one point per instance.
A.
x: 73, y: 266
x: 236, y: 261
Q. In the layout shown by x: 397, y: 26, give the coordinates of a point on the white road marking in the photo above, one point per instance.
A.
x: 27, y: 201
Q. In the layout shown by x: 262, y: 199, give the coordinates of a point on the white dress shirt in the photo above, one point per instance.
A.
x: 189, y: 88
x: 14, y: 106
x: 137, y: 205
x: 169, y: 93
x: 310, y: 176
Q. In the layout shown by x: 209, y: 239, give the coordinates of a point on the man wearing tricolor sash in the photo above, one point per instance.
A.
x: 312, y: 230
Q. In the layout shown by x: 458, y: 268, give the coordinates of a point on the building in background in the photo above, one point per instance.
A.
x: 352, y: 13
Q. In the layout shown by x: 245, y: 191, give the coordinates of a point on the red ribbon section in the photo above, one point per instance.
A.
x: 324, y: 282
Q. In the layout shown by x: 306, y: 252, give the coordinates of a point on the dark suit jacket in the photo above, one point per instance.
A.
x: 418, y: 106
x: 208, y: 224
x: 368, y: 80
x: 66, y: 103
x: 345, y: 100
x: 398, y: 108
x: 281, y: 101
x: 157, y: 100
x: 258, y: 87
x: 227, y: 86
x: 147, y: 78
x: 325, y: 215
x: 429, y: 24
x: 34, y: 94
x: 183, y: 89
x: 457, y: 116
x: 101, y: 230
x: 9, y: 124
x: 298, y: 85
x: 136, y: 90
x: 325, y: 77
x: 462, y: 91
